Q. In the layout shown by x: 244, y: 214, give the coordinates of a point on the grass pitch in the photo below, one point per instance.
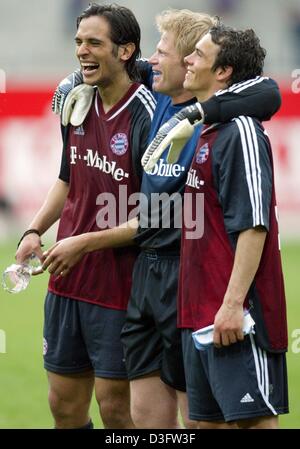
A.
x: 23, y: 383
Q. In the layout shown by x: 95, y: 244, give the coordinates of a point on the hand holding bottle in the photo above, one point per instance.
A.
x: 16, y: 277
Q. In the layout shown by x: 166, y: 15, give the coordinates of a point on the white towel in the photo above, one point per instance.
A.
x: 204, y: 337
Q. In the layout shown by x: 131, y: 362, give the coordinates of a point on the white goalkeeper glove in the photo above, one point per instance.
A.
x: 77, y: 104
x: 62, y: 90
x: 72, y: 99
x: 176, y: 132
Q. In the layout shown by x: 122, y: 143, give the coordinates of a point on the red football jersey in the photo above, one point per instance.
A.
x: 103, y: 158
x: 233, y: 170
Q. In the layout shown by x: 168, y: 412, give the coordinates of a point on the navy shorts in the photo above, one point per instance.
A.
x: 232, y: 383
x: 152, y: 341
x: 79, y: 336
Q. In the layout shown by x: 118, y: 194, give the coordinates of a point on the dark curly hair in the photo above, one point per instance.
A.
x: 239, y: 49
x: 124, y: 29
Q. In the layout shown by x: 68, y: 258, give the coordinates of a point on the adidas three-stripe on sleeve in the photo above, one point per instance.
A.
x: 243, y: 173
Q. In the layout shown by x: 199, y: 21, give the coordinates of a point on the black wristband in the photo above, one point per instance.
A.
x: 29, y: 231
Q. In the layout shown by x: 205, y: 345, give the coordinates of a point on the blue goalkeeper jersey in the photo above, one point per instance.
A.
x: 160, y: 212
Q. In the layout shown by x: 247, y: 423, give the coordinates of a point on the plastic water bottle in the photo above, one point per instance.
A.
x: 16, y: 277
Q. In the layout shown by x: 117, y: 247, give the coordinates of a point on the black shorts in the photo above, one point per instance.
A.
x: 150, y: 335
x: 79, y: 336
x: 240, y: 381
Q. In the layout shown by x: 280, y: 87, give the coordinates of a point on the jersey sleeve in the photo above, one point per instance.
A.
x: 243, y: 175
x: 145, y: 72
x: 139, y: 137
x: 64, y: 173
x: 259, y: 98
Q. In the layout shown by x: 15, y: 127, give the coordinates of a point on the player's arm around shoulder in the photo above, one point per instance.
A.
x: 145, y: 72
x: 259, y: 98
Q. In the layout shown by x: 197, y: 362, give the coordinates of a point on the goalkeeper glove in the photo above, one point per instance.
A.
x: 72, y: 99
x: 176, y: 132
x: 77, y: 104
x: 62, y: 90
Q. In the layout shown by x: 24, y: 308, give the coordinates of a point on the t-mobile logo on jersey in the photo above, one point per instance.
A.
x: 167, y: 170
x: 93, y: 159
x: 193, y: 180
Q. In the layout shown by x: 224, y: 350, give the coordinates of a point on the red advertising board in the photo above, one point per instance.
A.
x: 30, y: 148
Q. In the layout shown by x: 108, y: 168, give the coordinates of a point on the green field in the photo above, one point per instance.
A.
x: 23, y: 386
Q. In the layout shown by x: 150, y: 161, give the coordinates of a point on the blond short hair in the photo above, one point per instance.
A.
x: 187, y: 26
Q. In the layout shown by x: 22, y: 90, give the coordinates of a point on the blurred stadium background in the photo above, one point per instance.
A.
x: 37, y: 52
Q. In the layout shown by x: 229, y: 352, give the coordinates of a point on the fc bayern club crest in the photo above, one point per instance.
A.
x: 202, y: 154
x: 119, y: 144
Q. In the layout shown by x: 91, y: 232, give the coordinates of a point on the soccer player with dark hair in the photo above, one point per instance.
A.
x: 152, y: 341
x: 84, y: 311
x: 235, y: 268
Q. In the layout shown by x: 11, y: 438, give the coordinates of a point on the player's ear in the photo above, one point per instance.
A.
x: 126, y: 51
x: 224, y: 74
